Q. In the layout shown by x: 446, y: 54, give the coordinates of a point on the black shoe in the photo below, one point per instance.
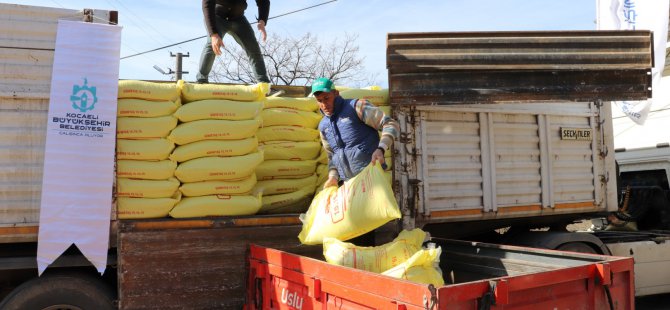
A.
x: 202, y: 82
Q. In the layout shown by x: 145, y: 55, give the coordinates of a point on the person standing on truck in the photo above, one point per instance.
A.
x: 227, y: 17
x: 350, y: 132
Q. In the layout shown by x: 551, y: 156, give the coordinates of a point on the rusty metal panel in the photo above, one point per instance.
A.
x: 22, y: 138
x: 508, y: 160
x: 487, y: 67
x: 193, y: 268
x: 27, y: 41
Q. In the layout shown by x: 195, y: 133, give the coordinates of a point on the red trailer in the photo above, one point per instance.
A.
x: 478, y: 276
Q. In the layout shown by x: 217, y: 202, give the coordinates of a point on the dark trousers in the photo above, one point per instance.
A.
x: 244, y: 35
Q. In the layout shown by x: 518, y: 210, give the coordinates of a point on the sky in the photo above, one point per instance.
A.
x: 150, y: 24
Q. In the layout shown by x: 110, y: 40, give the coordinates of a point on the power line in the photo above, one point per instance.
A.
x: 201, y: 37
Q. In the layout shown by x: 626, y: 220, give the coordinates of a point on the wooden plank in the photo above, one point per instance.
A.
x: 193, y: 267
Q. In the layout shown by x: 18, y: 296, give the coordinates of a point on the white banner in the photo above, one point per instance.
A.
x: 638, y: 15
x: 79, y: 153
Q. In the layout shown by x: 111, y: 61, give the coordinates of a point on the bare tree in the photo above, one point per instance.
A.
x: 297, y: 61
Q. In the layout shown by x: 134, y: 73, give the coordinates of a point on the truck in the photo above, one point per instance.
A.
x: 512, y: 132
x: 202, y: 263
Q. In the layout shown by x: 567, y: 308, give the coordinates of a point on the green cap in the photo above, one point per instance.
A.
x: 322, y: 85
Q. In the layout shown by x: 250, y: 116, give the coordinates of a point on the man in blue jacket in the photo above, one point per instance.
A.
x: 350, y: 132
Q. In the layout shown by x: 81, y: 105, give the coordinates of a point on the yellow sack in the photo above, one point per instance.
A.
x: 386, y: 110
x: 320, y: 181
x: 284, y: 186
x: 322, y: 169
x: 204, y: 188
x: 308, y: 104
x: 287, y: 133
x: 375, y: 259
x: 192, y: 92
x: 290, y: 117
x: 389, y: 176
x: 290, y: 150
x: 295, y: 202
x: 323, y: 156
x: 216, y: 205
x: 218, y: 168
x: 146, y: 170
x: 145, y: 149
x: 422, y: 267
x: 210, y: 129
x: 364, y: 203
x: 375, y: 94
x: 144, y: 128
x: 219, y: 109
x: 285, y: 169
x: 146, y: 108
x: 207, y: 148
x: 146, y: 188
x: 144, y: 208
x: 149, y: 90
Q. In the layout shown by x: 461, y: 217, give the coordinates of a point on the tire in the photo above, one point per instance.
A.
x: 68, y: 291
x: 579, y: 247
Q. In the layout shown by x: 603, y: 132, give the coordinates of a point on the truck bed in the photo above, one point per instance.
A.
x: 505, y: 277
x: 196, y: 263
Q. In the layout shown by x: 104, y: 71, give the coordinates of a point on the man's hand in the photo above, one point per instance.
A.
x: 378, y: 156
x: 217, y: 44
x: 261, y: 28
x: 332, y: 181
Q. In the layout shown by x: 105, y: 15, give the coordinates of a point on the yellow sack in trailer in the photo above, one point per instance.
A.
x: 287, y: 133
x: 288, y: 169
x: 144, y: 128
x: 377, y: 258
x: 422, y: 267
x: 210, y: 129
x: 207, y: 148
x: 146, y: 108
x: 145, y: 149
x: 291, y: 150
x: 308, y: 104
x: 290, y: 117
x: 193, y: 92
x: 146, y: 170
x: 146, y: 188
x: 219, y: 109
x: 295, y: 202
x: 204, y: 188
x: 218, y: 168
x: 216, y: 205
x: 145, y: 208
x: 149, y: 90
x: 375, y: 94
x: 362, y: 204
x: 284, y: 186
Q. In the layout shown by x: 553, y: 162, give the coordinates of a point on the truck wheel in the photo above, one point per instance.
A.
x: 61, y: 292
x: 579, y: 247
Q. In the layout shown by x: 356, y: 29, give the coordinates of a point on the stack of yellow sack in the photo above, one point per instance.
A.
x: 402, y: 258
x: 217, y: 149
x: 290, y: 141
x: 321, y: 171
x: 146, y: 187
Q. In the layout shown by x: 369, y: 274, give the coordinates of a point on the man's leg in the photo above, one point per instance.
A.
x: 244, y: 35
x: 206, y: 62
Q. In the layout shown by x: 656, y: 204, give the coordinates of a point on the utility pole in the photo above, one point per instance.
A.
x: 178, y: 72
